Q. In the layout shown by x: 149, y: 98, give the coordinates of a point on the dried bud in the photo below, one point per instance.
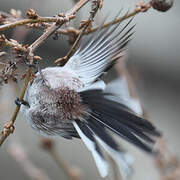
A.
x: 73, y: 33
x: 1, y: 19
x: 16, y: 13
x: 47, y: 144
x: 37, y: 58
x: 4, y: 15
x: 8, y: 129
x: 2, y: 39
x: 32, y: 14
x: 100, y: 4
x: 95, y: 6
x: 75, y: 172
x: 162, y: 5
x: 14, y: 41
x: 2, y: 53
x: 83, y: 24
x: 18, y: 48
x: 61, y: 15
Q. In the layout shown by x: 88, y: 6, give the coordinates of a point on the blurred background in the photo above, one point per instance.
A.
x: 153, y: 60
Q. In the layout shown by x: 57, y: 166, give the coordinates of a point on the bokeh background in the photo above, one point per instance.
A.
x: 153, y: 60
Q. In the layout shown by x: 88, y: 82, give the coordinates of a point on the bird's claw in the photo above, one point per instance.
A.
x: 19, y: 103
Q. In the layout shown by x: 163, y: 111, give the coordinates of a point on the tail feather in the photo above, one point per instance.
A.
x: 102, y: 133
x: 89, y: 140
x: 111, y: 147
x: 123, y: 160
x: 120, y: 120
x: 93, y: 131
x: 125, y: 133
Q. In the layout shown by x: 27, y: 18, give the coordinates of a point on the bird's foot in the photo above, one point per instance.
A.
x: 19, y: 103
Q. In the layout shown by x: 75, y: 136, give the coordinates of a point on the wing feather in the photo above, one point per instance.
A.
x: 100, y: 53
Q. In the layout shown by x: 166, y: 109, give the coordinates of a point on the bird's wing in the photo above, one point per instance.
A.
x: 100, y: 52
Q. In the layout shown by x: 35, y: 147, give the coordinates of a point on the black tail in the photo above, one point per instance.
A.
x: 119, y: 119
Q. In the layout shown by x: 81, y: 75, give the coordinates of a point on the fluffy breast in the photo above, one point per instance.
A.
x: 54, y: 101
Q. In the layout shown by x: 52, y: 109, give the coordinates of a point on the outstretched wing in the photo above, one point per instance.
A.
x: 100, y: 52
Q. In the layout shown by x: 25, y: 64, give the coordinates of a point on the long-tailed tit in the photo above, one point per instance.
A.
x: 70, y: 101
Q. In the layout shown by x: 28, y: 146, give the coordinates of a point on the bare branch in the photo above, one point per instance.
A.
x: 71, y: 172
x: 27, y: 21
x: 140, y: 7
x: 71, y: 31
x: 95, y: 7
x: 33, y: 18
x: 56, y: 25
x: 18, y: 152
x: 9, y: 127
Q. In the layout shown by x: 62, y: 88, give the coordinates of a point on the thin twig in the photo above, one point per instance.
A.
x: 113, y: 22
x: 139, y: 8
x: 71, y: 30
x: 19, y: 153
x: 56, y: 25
x: 167, y: 163
x: 75, y: 31
x: 95, y: 7
x: 27, y: 21
x: 9, y: 127
x: 71, y: 172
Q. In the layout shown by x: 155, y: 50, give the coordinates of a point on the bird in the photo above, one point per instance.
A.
x: 70, y: 101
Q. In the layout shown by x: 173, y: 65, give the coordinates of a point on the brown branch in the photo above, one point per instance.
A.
x: 95, y: 7
x: 27, y: 21
x: 74, y: 46
x: 71, y: 172
x: 33, y: 18
x: 167, y: 163
x: 139, y: 8
x: 76, y: 32
x: 19, y: 153
x: 115, y: 21
x: 70, y: 30
x: 9, y: 127
x: 56, y: 25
